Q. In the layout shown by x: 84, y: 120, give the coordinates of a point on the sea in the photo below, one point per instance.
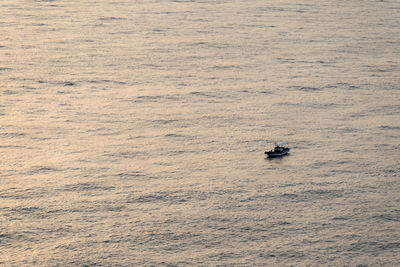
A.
x: 133, y: 132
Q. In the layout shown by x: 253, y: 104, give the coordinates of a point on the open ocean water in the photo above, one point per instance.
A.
x: 132, y: 132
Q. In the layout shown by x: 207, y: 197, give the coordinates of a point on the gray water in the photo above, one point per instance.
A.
x: 133, y: 132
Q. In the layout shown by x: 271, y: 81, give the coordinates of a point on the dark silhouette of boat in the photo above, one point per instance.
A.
x: 279, y: 150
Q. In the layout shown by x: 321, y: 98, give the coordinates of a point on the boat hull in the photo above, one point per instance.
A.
x: 273, y: 154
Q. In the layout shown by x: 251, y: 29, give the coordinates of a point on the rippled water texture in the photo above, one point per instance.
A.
x: 133, y: 132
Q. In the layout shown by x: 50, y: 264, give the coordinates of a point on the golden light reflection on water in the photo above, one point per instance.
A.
x: 132, y: 133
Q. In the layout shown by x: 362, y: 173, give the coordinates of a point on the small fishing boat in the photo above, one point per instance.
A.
x: 279, y: 150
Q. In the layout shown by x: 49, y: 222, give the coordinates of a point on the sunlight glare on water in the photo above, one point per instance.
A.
x: 133, y: 133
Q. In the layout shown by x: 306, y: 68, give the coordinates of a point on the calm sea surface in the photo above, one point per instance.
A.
x: 132, y: 132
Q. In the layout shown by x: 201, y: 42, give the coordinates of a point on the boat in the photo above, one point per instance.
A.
x: 280, y: 150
